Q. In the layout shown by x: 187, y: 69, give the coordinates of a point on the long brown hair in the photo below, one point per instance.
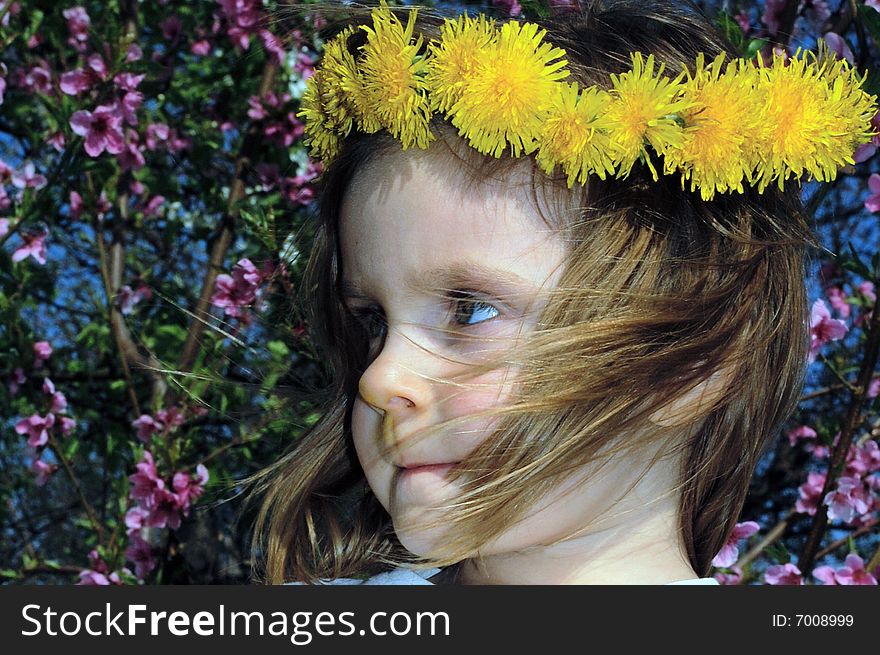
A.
x: 659, y: 292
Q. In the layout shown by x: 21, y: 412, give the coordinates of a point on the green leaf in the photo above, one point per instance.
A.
x: 754, y: 47
x: 870, y: 18
x: 778, y: 553
x: 731, y: 29
x: 278, y: 349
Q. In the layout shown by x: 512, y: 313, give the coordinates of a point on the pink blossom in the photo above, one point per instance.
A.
x: 67, y: 425
x: 190, y: 487
x: 273, y: 46
x: 5, y: 202
x: 146, y: 481
x: 77, y: 81
x: 76, y: 205
x: 34, y: 246
x: 732, y: 578
x: 18, y: 378
x: 170, y: 418
x: 802, y: 432
x: 135, y: 519
x: 131, y: 158
x: 43, y: 471
x: 837, y: 298
x: 146, y: 427
x: 513, y: 7
x: 57, y: 141
x: 38, y: 80
x: 863, y: 153
x: 129, y: 105
x: 825, y: 574
x: 134, y: 53
x: 28, y: 177
x: 242, y: 17
x: 839, y: 45
x: 165, y: 509
x: 89, y: 577
x: 867, y: 290
x: 787, y: 574
x: 853, y: 572
x: 128, y: 81
x: 4, y: 227
x: 37, y: 428
x: 729, y: 552
x: 823, y: 328
x: 233, y: 292
x: 304, y: 64
x: 809, y: 493
x: 78, y: 23
x: 863, y: 460
x: 97, y: 64
x: 48, y: 386
x: 872, y: 202
x: 101, y: 128
x: 42, y: 350
x: 140, y: 553
x: 202, y: 48
x: 873, y: 4
x: 849, y: 501
x: 151, y: 209
x: 59, y: 402
x: 156, y: 132
x: 126, y: 298
x: 256, y: 112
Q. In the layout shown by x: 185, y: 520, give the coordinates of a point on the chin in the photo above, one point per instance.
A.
x: 417, y: 538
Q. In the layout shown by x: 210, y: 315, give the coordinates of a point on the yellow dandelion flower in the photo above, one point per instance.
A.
x: 454, y: 58
x: 320, y: 125
x: 506, y: 97
x: 576, y: 134
x: 394, y: 90
x: 717, y: 153
x: 813, y: 119
x: 644, y: 110
x: 341, y: 75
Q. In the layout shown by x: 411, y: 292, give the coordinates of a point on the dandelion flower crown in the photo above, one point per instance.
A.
x: 721, y: 126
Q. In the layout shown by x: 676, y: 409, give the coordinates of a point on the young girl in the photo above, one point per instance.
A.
x: 559, y: 281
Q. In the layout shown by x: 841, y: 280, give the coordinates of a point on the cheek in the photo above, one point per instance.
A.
x: 476, y: 396
x: 363, y: 427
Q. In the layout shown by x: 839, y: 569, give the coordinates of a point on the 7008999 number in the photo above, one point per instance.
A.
x: 823, y: 620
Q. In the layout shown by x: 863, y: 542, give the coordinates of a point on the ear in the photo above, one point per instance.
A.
x: 695, y: 402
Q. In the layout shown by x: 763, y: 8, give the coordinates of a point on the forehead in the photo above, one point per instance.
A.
x: 412, y: 214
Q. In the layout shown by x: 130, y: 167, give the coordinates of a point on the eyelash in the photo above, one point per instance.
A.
x: 372, y: 318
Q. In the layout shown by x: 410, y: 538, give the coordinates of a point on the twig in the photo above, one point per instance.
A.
x: 93, y: 518
x: 834, y: 545
x: 224, y: 239
x: 770, y: 538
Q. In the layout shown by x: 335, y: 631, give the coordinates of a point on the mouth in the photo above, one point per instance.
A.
x: 438, y: 469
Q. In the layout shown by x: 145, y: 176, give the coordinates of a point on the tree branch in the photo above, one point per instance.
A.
x: 224, y: 239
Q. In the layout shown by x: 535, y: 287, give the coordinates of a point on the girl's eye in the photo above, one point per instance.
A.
x: 467, y: 310
x: 372, y: 321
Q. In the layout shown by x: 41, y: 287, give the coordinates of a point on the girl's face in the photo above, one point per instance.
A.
x: 420, y: 254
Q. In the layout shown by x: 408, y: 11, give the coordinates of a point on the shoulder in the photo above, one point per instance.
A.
x: 396, y: 577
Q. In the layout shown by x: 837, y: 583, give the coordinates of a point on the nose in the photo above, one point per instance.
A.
x: 397, y: 381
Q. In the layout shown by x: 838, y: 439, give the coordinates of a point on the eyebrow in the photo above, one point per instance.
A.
x: 457, y: 275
